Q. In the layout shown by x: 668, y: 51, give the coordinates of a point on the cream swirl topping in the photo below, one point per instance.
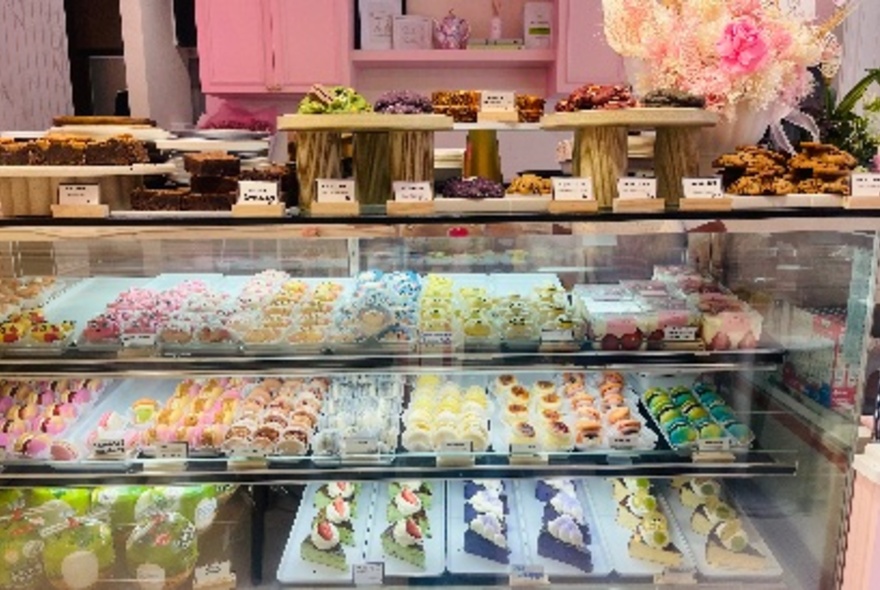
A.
x: 488, y: 503
x: 340, y: 489
x: 338, y: 511
x: 324, y: 536
x: 407, y: 503
x: 566, y: 530
x: 402, y: 536
x: 490, y: 528
x: 564, y: 503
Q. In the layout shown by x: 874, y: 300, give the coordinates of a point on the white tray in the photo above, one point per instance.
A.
x: 293, y: 570
x: 682, y: 514
x: 435, y: 550
x: 460, y: 562
x: 84, y: 171
x: 532, y: 510
x: 599, y: 492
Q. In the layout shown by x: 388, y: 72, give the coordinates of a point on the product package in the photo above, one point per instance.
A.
x: 377, y: 22
x: 538, y: 25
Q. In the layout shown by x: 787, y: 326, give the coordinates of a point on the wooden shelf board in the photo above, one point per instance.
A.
x: 364, y: 122
x: 641, y: 118
x: 454, y: 58
x: 84, y: 171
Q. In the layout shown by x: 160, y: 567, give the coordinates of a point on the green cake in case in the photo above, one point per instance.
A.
x: 405, y: 541
x: 162, y: 549
x: 21, y: 548
x: 119, y: 502
x: 421, y: 488
x: 10, y: 500
x: 322, y: 546
x: 337, y: 489
x: 197, y: 503
x: 338, y: 512
x: 78, y: 553
x: 407, y: 504
x: 78, y: 499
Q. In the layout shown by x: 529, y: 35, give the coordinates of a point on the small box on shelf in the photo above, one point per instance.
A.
x: 80, y: 211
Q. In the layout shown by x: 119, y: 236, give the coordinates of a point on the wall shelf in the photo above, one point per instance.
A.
x: 451, y: 58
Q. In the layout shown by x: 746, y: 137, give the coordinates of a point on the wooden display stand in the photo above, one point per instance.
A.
x: 319, y: 209
x: 412, y: 156
x: 80, y: 211
x: 722, y: 204
x: 420, y: 209
x: 563, y: 207
x: 861, y: 203
x: 600, y: 147
x: 318, y: 155
x: 275, y: 210
x: 639, y: 205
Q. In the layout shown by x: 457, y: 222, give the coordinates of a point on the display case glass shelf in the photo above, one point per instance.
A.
x: 458, y: 401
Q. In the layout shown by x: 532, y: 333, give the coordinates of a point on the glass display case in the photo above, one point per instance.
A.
x: 491, y: 400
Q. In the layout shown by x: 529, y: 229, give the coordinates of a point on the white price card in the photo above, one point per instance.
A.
x: 799, y: 9
x: 413, y: 192
x: 713, y: 445
x: 247, y: 452
x: 702, y: 188
x: 680, y: 333
x: 573, y: 189
x: 525, y: 449
x: 79, y: 194
x: 459, y: 446
x: 173, y: 450
x: 493, y: 101
x: 528, y: 575
x: 631, y: 187
x: 360, y: 445
x: 368, y: 574
x: 676, y: 576
x: 865, y: 185
x: 213, y: 573
x: 335, y: 191
x: 258, y: 192
x: 553, y: 335
x: 109, y: 448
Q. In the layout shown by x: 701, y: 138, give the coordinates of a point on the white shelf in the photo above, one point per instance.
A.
x: 84, y: 171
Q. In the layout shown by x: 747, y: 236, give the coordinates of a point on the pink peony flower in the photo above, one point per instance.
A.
x: 742, y: 47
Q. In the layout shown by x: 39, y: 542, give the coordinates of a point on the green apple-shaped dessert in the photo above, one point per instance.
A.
x: 161, y: 551
x: 197, y: 503
x: 20, y: 549
x: 78, y: 553
x: 10, y: 500
x: 79, y: 500
x: 119, y: 502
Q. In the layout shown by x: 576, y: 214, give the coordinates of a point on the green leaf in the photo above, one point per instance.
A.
x: 855, y: 95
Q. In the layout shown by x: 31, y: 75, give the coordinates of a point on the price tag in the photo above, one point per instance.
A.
x: 493, y: 101
x: 369, y: 574
x: 79, y: 194
x: 573, y: 189
x: 622, y: 442
x: 247, y: 452
x: 335, y: 191
x: 214, y: 574
x: 528, y: 575
x: 457, y: 447
x: 360, y: 445
x: 413, y: 192
x: 138, y: 340
x: 109, y: 448
x: 174, y: 450
x: 866, y: 185
x: 680, y: 333
x: 437, y: 338
x: 525, y: 449
x: 702, y: 188
x: 713, y: 445
x: 800, y: 9
x: 637, y: 188
x: 258, y: 192
x: 676, y: 576
x: 550, y: 335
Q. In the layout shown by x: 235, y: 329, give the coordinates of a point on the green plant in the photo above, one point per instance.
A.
x: 843, y: 126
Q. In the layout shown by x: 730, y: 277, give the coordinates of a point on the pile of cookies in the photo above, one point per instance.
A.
x: 815, y: 169
x: 597, y: 96
x: 530, y: 184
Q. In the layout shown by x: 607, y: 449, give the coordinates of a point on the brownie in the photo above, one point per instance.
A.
x: 207, y: 202
x: 162, y: 199
x: 213, y: 184
x: 212, y: 164
x: 116, y: 151
x: 62, y: 151
x: 16, y: 153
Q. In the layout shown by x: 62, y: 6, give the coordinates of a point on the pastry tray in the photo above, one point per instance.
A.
x: 532, y: 510
x: 598, y: 492
x: 435, y: 563
x: 460, y: 562
x: 294, y: 570
x: 682, y: 515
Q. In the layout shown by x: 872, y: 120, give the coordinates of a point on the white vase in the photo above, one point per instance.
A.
x: 746, y: 128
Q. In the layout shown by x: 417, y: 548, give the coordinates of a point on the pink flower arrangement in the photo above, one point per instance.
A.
x: 730, y: 51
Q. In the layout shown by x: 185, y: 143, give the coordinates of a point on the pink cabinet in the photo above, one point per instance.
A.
x: 260, y: 46
x: 582, y: 54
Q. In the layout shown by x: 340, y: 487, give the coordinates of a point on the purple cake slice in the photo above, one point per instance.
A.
x: 485, y: 502
x: 545, y: 489
x: 495, y: 486
x: 486, y: 537
x: 561, y: 540
x: 550, y: 514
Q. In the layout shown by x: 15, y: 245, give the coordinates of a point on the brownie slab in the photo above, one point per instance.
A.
x: 62, y: 151
x: 163, y: 199
x: 207, y: 202
x: 13, y: 153
x: 212, y: 164
x: 116, y: 151
x: 213, y: 184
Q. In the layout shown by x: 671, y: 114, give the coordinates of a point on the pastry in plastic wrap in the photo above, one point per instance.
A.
x: 728, y: 323
x: 78, y: 553
x: 161, y: 551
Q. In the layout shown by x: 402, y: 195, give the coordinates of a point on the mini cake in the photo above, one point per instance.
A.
x: 485, y: 502
x: 161, y: 551
x: 562, y: 504
x: 561, y: 539
x: 407, y: 504
x: 421, y: 488
x: 404, y: 540
x: 486, y: 537
x: 322, y: 546
x: 338, y: 512
x: 706, y: 516
x: 626, y: 486
x: 728, y: 547
x: 698, y: 491
x: 650, y: 542
x: 337, y: 489
x: 78, y: 553
x: 633, y: 508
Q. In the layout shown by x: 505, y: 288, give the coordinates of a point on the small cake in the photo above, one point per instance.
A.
x: 650, y: 542
x: 78, y: 553
x: 212, y: 164
x: 563, y: 504
x: 486, y: 537
x: 405, y: 541
x: 561, y: 539
x: 407, y: 504
x: 322, y: 546
x: 633, y: 508
x: 161, y: 551
x: 626, y: 486
x: 337, y: 489
x: 485, y: 502
x: 706, y: 516
x: 728, y: 547
x: 495, y: 486
x: 421, y: 488
x: 338, y: 512
x: 698, y: 491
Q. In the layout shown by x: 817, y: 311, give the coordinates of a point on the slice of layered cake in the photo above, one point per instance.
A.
x: 337, y: 489
x: 562, y: 540
x: 627, y: 486
x: 728, y: 547
x: 485, y: 502
x: 545, y: 489
x: 405, y: 541
x: 633, y: 508
x: 698, y: 491
x: 563, y: 504
x: 407, y: 504
x: 338, y: 513
x: 420, y: 488
x: 706, y: 516
x: 322, y: 546
x: 495, y: 486
x: 650, y: 541
x: 486, y: 537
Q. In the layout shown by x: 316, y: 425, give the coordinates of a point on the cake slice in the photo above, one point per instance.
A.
x: 486, y: 537
x: 545, y: 489
x: 421, y: 488
x: 562, y: 540
x: 627, y: 486
x: 338, y: 513
x: 563, y: 504
x: 650, y: 542
x: 706, y: 516
x: 337, y: 489
x: 632, y: 508
x: 407, y: 504
x: 728, y: 547
x: 485, y: 502
x: 698, y: 491
x: 322, y: 546
x: 404, y: 540
x: 496, y: 486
